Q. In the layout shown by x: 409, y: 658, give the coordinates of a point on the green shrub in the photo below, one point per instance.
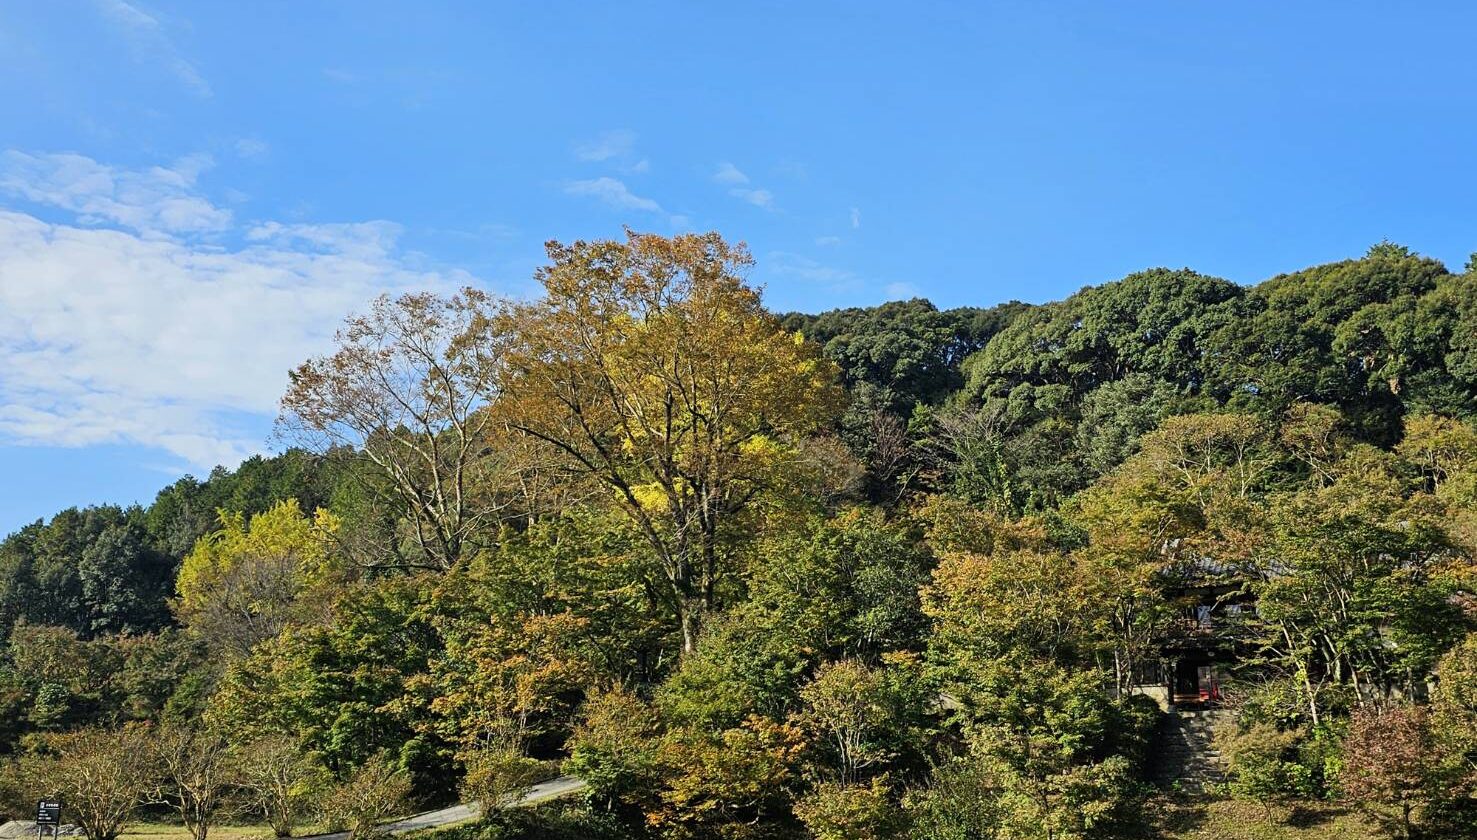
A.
x: 1283, y: 704
x: 1263, y: 766
x: 1138, y: 717
x: 850, y: 812
x: 373, y: 793
x: 498, y: 775
x: 557, y: 821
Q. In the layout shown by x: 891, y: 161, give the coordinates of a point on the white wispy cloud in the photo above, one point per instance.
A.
x: 793, y: 268
x: 613, y: 192
x: 856, y: 218
x: 827, y: 241
x: 138, y: 322
x: 738, y: 181
x: 156, y: 201
x: 615, y: 148
x: 729, y: 174
x: 252, y: 147
x: 798, y: 267
x: 758, y: 198
x: 149, y: 42
x: 363, y: 240
x: 618, y: 143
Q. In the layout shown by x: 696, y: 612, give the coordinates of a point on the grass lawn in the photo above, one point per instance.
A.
x: 1224, y: 819
x: 174, y: 831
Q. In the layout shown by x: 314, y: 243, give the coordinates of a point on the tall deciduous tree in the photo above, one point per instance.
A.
x: 1349, y: 582
x: 849, y: 705
x: 652, y: 367
x: 405, y: 393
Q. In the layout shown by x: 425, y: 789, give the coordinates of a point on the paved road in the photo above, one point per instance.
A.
x: 541, y: 792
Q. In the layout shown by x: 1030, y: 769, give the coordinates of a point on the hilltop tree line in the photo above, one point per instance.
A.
x: 881, y: 572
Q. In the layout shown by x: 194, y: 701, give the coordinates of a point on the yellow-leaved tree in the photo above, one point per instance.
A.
x: 241, y: 585
x: 651, y: 367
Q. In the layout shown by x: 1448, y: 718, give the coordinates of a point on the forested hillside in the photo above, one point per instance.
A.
x: 884, y: 572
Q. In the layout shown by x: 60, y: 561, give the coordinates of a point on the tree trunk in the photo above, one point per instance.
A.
x: 690, y: 611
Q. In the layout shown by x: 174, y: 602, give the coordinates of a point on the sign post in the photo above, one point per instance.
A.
x: 48, y: 813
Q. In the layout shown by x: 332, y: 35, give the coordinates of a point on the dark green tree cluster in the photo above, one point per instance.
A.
x: 85, y: 613
x: 1062, y: 394
x: 895, y: 359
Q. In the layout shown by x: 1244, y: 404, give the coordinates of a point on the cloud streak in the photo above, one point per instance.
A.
x: 612, y: 192
x: 729, y: 174
x: 149, y: 42
x: 251, y: 148
x: 799, y: 268
x: 738, y: 183
x: 619, y: 143
x: 758, y: 198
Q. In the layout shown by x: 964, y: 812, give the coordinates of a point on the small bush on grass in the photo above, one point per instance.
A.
x: 375, y: 792
x: 554, y: 821
x: 1262, y: 766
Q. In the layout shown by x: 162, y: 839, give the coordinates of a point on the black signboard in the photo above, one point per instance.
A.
x: 48, y: 812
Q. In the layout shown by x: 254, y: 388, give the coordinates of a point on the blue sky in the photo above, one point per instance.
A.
x: 192, y: 195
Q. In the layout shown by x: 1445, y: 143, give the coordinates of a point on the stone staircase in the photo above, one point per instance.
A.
x: 1185, y: 756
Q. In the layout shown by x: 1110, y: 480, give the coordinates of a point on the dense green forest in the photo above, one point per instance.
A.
x: 879, y: 572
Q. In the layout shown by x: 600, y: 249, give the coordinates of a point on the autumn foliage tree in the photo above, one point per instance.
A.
x: 404, y: 393
x: 241, y: 585
x: 505, y: 677
x: 1392, y: 765
x: 848, y: 704
x: 652, y: 368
